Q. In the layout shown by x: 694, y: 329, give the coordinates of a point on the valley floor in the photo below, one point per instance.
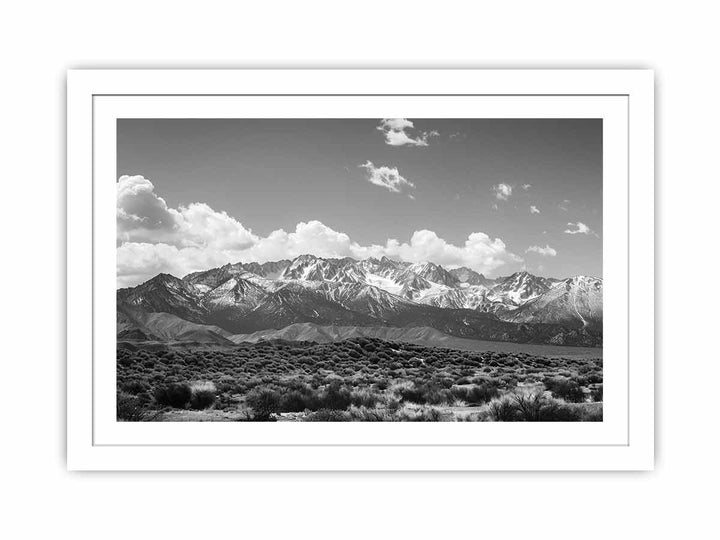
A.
x: 361, y: 379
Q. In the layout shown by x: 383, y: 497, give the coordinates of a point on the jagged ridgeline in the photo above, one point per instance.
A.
x: 225, y: 305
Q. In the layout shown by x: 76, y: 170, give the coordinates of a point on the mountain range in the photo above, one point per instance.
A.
x: 219, y: 304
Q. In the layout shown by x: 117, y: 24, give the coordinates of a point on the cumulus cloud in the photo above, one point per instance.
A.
x: 579, y: 228
x: 534, y: 210
x: 143, y: 216
x: 479, y: 251
x: 564, y: 205
x: 387, y: 177
x: 546, y: 251
x: 526, y: 186
x: 396, y: 133
x: 503, y: 191
x: 154, y: 238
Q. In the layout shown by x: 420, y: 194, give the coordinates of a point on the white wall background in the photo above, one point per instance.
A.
x: 40, y: 40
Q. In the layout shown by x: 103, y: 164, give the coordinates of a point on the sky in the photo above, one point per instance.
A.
x: 495, y: 195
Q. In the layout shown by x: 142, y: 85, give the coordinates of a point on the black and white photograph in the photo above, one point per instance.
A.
x: 359, y: 269
x: 388, y: 269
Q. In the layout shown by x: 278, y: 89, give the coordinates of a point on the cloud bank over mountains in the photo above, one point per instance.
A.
x: 153, y: 237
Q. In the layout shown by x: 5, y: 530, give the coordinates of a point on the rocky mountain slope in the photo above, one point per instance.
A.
x: 249, y: 297
x: 573, y: 300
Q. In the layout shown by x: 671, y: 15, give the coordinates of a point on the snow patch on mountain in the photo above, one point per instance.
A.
x: 385, y: 283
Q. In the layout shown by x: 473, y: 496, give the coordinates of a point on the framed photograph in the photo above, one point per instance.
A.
x: 360, y: 270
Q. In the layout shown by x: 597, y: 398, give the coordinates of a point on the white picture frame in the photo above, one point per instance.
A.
x: 623, y: 98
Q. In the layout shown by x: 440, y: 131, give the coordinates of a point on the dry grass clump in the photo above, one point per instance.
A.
x: 203, y: 395
x: 129, y: 408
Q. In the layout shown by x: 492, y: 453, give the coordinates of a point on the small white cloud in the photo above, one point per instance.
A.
x: 387, y: 177
x: 564, y: 205
x: 395, y: 124
x: 503, y: 191
x: 534, y: 210
x: 579, y: 228
x: 494, y: 206
x: 396, y: 133
x: 526, y: 186
x: 546, y: 251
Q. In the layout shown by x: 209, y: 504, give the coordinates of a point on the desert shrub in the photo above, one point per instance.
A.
x: 409, y: 390
x: 472, y: 417
x: 226, y: 383
x: 365, y: 414
x: 438, y: 396
x: 422, y: 414
x: 556, y: 411
x: 412, y: 393
x: 203, y: 395
x: 292, y: 401
x: 126, y: 361
x: 444, y: 382
x: 135, y: 386
x: 597, y: 393
x: 529, y: 406
x: 300, y: 398
x: 264, y: 402
x: 173, y: 395
x: 431, y: 414
x: 335, y: 396
x: 423, y: 394
x: 129, y: 408
x: 503, y: 410
x: 389, y: 401
x: 566, y: 389
x: 590, y: 413
x: 533, y: 407
x: 364, y: 398
x: 328, y: 415
x: 480, y: 393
